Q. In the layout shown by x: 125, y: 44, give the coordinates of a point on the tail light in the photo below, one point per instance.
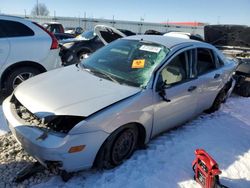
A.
x: 54, y: 44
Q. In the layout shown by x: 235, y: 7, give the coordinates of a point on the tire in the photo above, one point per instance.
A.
x: 244, y: 89
x: 18, y: 76
x: 119, y: 146
x: 220, y: 98
x: 65, y: 175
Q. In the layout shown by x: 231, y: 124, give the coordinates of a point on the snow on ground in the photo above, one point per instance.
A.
x: 167, y: 160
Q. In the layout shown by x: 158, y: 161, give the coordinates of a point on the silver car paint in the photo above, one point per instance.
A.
x: 4, y: 50
x: 90, y: 93
x: 144, y: 107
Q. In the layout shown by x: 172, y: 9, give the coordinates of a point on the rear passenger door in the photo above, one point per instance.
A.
x: 4, y: 47
x: 207, y: 70
x: 24, y: 46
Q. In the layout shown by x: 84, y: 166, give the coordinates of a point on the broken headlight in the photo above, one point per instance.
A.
x: 57, y: 123
x: 61, y: 123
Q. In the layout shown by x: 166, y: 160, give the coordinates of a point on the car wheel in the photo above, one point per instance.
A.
x: 244, y: 89
x: 117, y: 148
x: 18, y: 76
x: 220, y: 98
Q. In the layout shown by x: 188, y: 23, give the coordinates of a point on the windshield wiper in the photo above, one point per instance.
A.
x: 95, y: 71
x: 108, y: 76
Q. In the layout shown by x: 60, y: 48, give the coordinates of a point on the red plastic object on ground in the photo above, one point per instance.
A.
x: 206, y: 170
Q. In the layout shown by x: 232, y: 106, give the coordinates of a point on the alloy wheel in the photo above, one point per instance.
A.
x: 21, y: 78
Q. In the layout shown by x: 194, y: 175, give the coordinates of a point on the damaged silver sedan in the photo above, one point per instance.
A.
x: 96, y: 113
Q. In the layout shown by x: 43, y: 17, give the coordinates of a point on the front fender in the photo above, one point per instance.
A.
x: 136, y: 109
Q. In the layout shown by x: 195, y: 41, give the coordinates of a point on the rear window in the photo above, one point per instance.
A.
x: 14, y: 29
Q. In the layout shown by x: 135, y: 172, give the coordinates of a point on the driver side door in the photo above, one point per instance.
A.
x: 180, y: 90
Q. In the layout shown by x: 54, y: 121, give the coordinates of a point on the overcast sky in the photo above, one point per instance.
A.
x: 209, y: 11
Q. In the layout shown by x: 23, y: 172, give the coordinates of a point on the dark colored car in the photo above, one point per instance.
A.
x: 234, y: 42
x: 127, y: 32
x: 63, y: 36
x: 75, y: 50
x: 153, y: 32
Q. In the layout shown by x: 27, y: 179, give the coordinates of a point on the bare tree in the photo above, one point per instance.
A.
x: 40, y: 9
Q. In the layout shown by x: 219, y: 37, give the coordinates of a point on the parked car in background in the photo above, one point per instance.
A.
x: 127, y: 32
x: 58, y: 30
x: 26, y: 49
x: 153, y: 32
x: 54, y: 27
x: 234, y: 42
x: 121, y: 96
x: 63, y: 36
x: 75, y: 50
x: 184, y: 35
x: 74, y: 30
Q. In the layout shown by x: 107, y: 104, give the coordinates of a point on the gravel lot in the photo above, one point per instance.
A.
x: 12, y: 160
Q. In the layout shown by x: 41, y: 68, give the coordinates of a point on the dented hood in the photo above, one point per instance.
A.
x: 70, y: 91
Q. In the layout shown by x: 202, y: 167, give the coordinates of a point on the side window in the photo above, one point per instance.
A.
x: 1, y: 33
x: 205, y: 61
x: 176, y: 70
x: 15, y: 29
x: 55, y: 28
x: 49, y: 28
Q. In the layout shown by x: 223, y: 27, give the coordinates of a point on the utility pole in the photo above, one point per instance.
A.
x: 37, y: 8
x: 85, y: 21
x: 79, y: 20
x: 113, y: 21
x: 218, y: 20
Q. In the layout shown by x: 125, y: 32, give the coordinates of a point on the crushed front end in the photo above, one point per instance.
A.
x: 48, y: 139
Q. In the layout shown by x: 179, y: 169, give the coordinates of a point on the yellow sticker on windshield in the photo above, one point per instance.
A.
x: 138, y: 63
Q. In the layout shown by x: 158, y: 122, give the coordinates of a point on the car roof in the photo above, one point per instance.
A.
x: 167, y: 41
x: 11, y: 17
x: 51, y: 23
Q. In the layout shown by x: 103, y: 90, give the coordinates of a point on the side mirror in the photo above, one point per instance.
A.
x: 162, y: 92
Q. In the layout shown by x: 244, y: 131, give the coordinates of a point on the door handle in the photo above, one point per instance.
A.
x: 192, y: 88
x: 216, y: 76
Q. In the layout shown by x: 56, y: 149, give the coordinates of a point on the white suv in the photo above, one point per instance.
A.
x: 26, y: 49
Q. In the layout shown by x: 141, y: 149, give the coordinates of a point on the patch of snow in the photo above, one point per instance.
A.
x: 167, y: 162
